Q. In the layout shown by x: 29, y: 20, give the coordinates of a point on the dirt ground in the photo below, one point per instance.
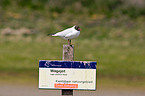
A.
x: 32, y: 90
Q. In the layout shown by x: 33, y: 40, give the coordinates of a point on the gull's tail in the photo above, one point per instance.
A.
x: 52, y: 34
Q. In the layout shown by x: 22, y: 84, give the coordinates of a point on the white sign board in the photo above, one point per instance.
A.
x: 76, y: 75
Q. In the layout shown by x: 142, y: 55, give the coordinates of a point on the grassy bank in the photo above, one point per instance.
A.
x: 112, y: 36
x: 116, y: 59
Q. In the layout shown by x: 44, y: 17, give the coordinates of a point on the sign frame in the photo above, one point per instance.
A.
x: 54, y: 68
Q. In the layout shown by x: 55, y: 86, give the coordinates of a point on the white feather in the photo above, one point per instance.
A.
x: 69, y: 33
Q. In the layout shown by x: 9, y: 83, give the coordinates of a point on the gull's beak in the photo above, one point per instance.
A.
x: 79, y: 29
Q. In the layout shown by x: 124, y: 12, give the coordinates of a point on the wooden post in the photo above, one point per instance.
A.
x: 68, y: 54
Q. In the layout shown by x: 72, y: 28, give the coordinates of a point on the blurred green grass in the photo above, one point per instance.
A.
x: 115, y: 58
x: 112, y: 35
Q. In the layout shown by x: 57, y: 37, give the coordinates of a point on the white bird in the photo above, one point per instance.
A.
x: 69, y: 33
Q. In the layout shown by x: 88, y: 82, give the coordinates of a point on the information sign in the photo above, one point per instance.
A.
x: 76, y: 75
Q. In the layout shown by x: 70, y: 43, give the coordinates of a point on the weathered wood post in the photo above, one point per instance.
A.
x: 68, y: 54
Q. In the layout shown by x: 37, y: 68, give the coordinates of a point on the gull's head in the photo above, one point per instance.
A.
x: 77, y: 27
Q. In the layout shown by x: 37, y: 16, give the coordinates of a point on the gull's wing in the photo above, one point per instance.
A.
x: 72, y: 35
x: 63, y: 33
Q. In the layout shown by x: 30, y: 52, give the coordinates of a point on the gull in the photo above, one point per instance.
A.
x: 69, y: 33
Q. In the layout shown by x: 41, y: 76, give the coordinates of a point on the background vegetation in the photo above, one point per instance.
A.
x: 112, y: 33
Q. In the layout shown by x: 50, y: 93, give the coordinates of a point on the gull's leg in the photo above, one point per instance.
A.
x: 69, y: 42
